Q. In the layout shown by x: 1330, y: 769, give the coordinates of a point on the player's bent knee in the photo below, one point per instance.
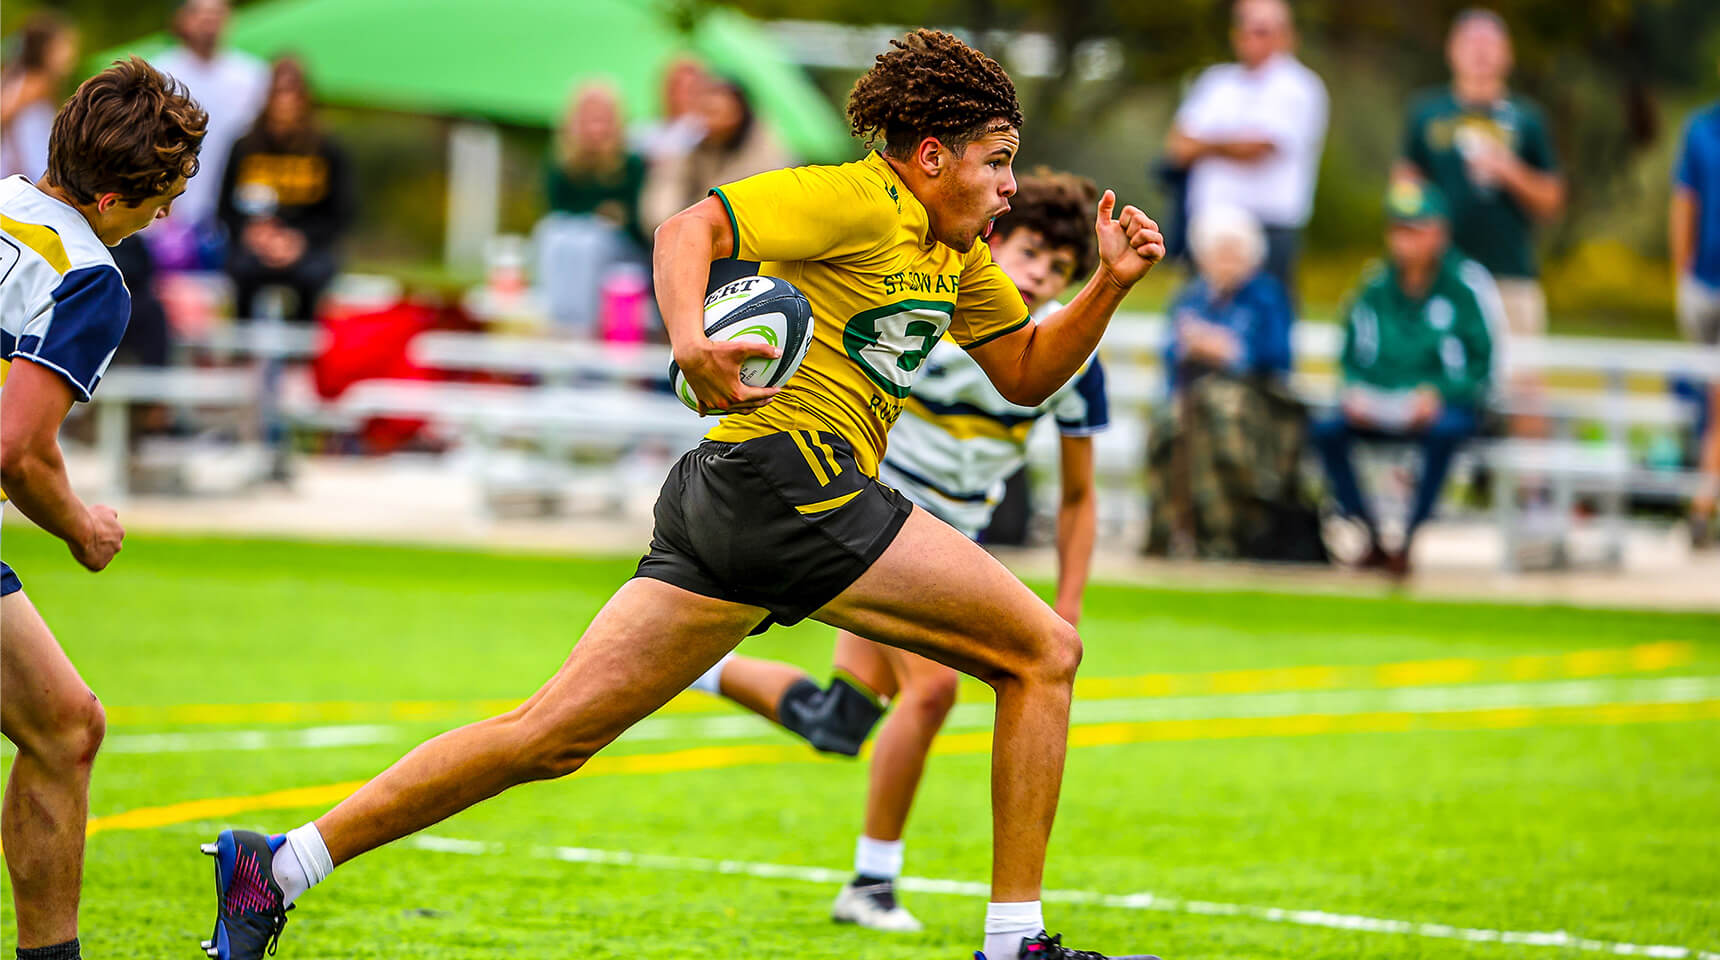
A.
x: 551, y: 757
x: 1061, y: 654
x: 70, y: 733
x: 551, y: 748
x: 931, y: 698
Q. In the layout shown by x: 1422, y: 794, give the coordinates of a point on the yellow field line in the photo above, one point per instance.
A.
x: 1085, y: 735
x: 1642, y: 658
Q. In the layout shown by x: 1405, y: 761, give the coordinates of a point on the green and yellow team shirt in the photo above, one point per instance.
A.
x: 855, y: 240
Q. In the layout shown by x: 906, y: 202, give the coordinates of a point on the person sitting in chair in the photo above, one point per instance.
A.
x: 1225, y: 446
x: 1416, y: 362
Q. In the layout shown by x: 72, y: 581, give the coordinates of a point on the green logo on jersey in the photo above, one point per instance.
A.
x: 890, y: 343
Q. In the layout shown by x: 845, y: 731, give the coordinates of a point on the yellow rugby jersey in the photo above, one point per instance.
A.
x: 857, y: 242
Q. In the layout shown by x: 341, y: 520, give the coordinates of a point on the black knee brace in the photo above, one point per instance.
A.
x: 834, y: 720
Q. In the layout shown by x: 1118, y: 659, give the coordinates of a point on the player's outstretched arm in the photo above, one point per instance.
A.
x: 686, y: 244
x: 33, y: 473
x: 1031, y: 364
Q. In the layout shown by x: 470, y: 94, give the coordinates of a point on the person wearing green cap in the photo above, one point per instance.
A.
x: 1416, y: 363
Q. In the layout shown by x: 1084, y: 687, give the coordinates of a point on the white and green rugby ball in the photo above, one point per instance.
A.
x: 760, y: 310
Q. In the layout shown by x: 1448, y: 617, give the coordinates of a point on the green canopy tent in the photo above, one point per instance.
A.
x: 517, y: 61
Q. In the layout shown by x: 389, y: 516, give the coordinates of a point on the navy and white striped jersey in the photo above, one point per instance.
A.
x: 958, y: 439
x: 62, y: 301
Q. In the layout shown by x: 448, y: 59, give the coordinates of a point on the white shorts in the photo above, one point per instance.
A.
x: 969, y: 516
x: 1698, y: 311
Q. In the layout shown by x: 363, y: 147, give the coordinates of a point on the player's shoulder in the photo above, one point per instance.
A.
x: 45, y: 231
x: 861, y: 190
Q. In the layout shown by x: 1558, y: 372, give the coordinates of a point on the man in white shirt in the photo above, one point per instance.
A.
x: 1250, y: 133
x: 230, y: 85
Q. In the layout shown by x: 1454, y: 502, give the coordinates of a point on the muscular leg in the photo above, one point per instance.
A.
x: 925, y: 692
x: 646, y: 645
x: 57, y: 724
x: 935, y: 593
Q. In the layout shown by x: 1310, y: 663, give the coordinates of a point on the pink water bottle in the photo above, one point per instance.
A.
x: 621, y: 312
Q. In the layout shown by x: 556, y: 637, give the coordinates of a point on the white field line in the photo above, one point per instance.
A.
x: 978, y: 716
x: 825, y: 876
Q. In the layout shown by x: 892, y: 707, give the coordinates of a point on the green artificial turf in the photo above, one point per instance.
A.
x: 1607, y: 830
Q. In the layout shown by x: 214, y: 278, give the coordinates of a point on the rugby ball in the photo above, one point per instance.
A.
x: 762, y: 310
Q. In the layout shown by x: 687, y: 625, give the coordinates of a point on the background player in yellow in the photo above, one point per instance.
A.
x: 777, y: 516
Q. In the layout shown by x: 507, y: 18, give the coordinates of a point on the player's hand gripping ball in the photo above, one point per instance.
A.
x: 762, y: 310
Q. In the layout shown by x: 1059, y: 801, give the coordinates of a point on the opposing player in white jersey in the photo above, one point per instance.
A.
x: 956, y: 443
x: 121, y: 150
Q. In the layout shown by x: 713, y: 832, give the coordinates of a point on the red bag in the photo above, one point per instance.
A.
x: 371, y: 346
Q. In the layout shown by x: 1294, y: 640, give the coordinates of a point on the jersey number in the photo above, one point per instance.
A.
x: 890, y: 343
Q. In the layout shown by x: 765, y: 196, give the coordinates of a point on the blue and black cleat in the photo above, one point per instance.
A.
x: 249, y: 913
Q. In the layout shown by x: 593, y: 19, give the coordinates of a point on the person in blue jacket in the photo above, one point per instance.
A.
x: 1217, y: 445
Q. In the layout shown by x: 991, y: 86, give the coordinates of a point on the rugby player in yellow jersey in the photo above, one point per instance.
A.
x: 777, y: 516
x: 957, y: 442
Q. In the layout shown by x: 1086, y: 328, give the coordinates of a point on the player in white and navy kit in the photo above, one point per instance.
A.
x: 959, y: 440
x: 121, y: 150
x: 956, y: 443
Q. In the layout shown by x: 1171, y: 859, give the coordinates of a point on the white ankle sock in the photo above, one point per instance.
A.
x: 1007, y: 924
x: 711, y: 681
x: 302, y: 862
x: 878, y: 858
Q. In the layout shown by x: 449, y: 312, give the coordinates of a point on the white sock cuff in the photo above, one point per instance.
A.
x: 1015, y: 917
x: 312, y: 853
x: 711, y: 680
x: 878, y: 858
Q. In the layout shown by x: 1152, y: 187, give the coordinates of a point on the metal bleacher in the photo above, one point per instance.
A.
x: 580, y: 412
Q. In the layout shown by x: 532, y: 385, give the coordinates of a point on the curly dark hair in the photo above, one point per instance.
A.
x: 930, y: 84
x: 130, y: 130
x: 1060, y: 207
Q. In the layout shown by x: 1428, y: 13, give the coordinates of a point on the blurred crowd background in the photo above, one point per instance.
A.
x: 496, y: 170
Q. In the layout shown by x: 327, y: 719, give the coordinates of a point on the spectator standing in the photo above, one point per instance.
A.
x: 680, y: 128
x: 1250, y: 133
x: 1416, y: 361
x: 1695, y: 247
x: 30, y: 88
x: 1491, y: 156
x: 592, y: 236
x: 735, y: 145
x: 592, y: 172
x: 231, y: 86
x: 1219, y: 449
x: 286, y: 199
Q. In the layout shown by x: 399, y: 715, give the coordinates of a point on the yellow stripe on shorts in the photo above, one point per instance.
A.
x: 831, y: 504
x: 811, y: 458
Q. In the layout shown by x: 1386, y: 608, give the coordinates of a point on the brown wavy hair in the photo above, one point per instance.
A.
x: 930, y: 84
x: 1060, y: 206
x: 130, y: 130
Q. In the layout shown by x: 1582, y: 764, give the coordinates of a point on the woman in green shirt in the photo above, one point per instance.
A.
x: 591, y: 172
